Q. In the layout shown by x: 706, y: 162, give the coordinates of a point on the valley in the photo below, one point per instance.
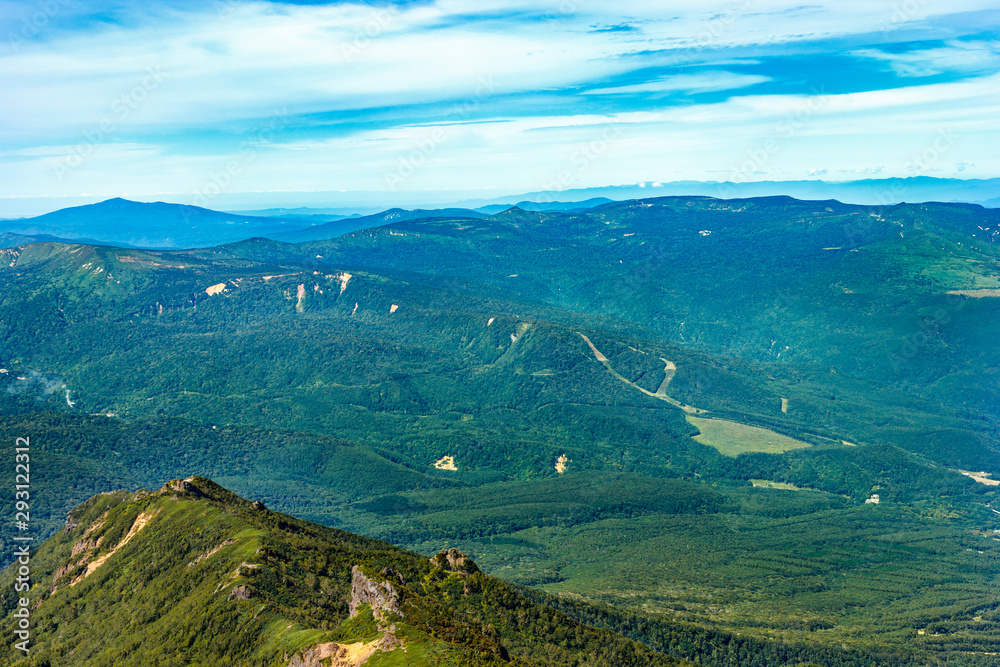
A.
x: 422, y: 382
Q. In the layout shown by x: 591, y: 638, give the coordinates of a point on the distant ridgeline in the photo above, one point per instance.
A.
x: 681, y: 410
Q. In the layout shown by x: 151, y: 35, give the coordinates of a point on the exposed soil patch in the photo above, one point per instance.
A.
x: 446, y: 463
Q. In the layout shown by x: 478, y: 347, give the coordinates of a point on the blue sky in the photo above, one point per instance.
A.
x: 410, y: 102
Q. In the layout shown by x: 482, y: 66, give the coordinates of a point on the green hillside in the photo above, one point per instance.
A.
x: 194, y: 575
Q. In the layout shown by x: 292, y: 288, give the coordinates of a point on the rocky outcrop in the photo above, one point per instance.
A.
x: 346, y: 655
x: 454, y: 560
x: 381, y: 595
x: 241, y: 593
x: 85, y: 545
x: 180, y: 486
x: 320, y: 655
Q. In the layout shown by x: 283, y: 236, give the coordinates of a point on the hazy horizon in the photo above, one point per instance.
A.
x: 372, y: 202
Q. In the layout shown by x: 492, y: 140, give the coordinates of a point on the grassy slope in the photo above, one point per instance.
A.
x: 163, y: 594
x: 733, y: 438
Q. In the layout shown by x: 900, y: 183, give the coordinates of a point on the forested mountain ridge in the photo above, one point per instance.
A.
x: 192, y: 574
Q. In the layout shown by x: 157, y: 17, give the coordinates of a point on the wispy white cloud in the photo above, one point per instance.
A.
x: 956, y: 56
x: 167, y: 94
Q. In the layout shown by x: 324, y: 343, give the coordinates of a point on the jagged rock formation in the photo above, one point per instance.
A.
x: 347, y: 655
x: 454, y: 560
x: 180, y: 485
x: 382, y: 596
x: 241, y: 593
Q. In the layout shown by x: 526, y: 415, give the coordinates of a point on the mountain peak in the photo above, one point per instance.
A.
x: 276, y: 589
x: 163, y: 225
x: 122, y: 203
x: 202, y: 487
x: 518, y: 214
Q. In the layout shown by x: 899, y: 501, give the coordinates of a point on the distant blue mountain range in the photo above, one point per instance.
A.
x: 124, y: 223
x: 882, y: 191
x: 129, y: 224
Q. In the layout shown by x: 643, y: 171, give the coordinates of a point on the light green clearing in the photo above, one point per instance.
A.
x: 767, y: 484
x: 732, y: 438
x: 976, y: 293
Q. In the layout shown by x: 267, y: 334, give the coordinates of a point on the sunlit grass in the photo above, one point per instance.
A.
x: 732, y: 438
